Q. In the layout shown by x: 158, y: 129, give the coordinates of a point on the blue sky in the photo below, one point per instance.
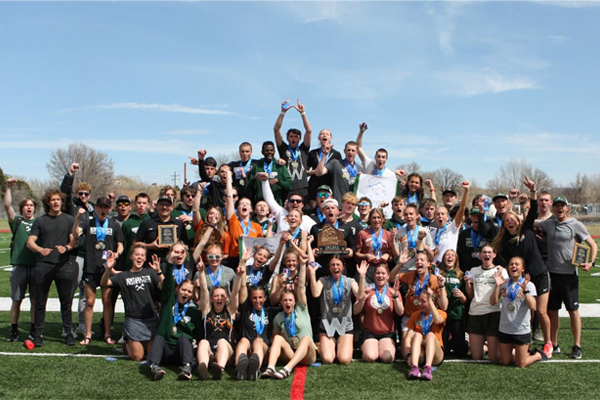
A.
x: 460, y: 85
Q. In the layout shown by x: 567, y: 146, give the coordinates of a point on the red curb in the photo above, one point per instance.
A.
x: 297, y: 390
x: 4, y: 230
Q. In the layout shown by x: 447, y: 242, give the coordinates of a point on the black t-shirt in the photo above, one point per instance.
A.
x: 94, y: 263
x: 148, y: 233
x: 52, y: 231
x: 297, y: 168
x: 248, y: 325
x: 349, y: 237
x: 242, y: 184
x: 218, y: 326
x: 260, y: 277
x: 316, y: 181
x: 137, y: 290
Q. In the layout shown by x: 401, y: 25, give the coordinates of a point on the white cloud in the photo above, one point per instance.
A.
x: 188, y: 132
x: 444, y: 16
x: 161, y: 107
x: 478, y: 82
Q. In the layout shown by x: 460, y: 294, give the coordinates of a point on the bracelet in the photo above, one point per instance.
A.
x: 525, y: 291
x: 432, y: 190
x: 303, y: 113
x: 282, y: 113
x: 159, y: 273
x: 395, y: 297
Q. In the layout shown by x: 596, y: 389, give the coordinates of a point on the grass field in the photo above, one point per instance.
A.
x: 75, y: 378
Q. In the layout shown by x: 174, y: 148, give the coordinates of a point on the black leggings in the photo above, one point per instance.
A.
x: 63, y: 276
x: 182, y: 353
x: 456, y: 329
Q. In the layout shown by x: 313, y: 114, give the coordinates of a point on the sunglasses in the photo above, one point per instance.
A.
x: 83, y: 193
x: 188, y: 195
x: 235, y: 196
x: 295, y: 200
x: 123, y: 203
x: 323, y: 195
x: 213, y: 257
x: 363, y: 203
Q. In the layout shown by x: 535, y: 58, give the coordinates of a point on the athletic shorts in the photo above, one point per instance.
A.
x: 564, y: 289
x: 92, y: 280
x: 368, y: 335
x: 541, y: 283
x: 486, y: 325
x: 140, y: 330
x: 21, y: 277
x: 403, y: 323
x: 518, y: 340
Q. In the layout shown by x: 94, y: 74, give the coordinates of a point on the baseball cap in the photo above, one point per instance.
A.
x: 560, y: 199
x: 500, y: 196
x: 325, y: 188
x: 331, y: 202
x: 103, y: 201
x: 449, y: 190
x: 164, y: 197
x: 123, y: 198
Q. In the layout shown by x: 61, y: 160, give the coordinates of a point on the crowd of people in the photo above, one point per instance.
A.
x: 438, y: 278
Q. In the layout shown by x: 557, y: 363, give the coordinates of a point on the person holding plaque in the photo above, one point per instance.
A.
x: 335, y: 297
x: 292, y: 332
x: 378, y: 308
x: 161, y: 230
x: 219, y: 311
x: 184, y: 212
x: 426, y: 326
x: 180, y: 327
x: 417, y: 281
x: 517, y: 295
x: 563, y: 233
x: 104, y: 239
x: 374, y: 244
x: 484, y: 318
x: 517, y: 238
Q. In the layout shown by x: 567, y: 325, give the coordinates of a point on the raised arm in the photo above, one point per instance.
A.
x: 307, y: 127
x: 301, y: 285
x: 10, y: 212
x: 458, y: 218
x: 285, y: 106
x: 321, y: 169
x: 359, y: 139
x: 229, y: 194
x: 359, y: 289
x: 499, y: 280
x: 196, y: 216
x: 275, y: 208
x: 201, y: 171
x: 204, y: 303
x: 66, y: 186
x: 108, y: 270
x: 240, y: 279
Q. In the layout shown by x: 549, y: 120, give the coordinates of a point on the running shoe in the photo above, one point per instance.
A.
x: 254, y: 367
x: 70, y: 340
x: 575, y: 352
x: 203, y: 371
x: 242, y: 367
x: 548, y: 350
x: 555, y: 349
x: 13, y: 337
x: 186, y: 373
x: 414, y: 372
x: 157, y: 372
x: 216, y: 371
x: 426, y: 374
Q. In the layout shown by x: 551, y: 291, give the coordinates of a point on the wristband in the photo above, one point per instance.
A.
x: 303, y: 113
x: 525, y: 291
x: 432, y: 190
x: 159, y: 273
x: 282, y: 113
x: 395, y: 297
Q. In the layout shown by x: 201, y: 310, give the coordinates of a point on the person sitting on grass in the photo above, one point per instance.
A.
x: 426, y: 345
x: 378, y: 308
x: 218, y: 310
x: 517, y: 295
x: 179, y: 330
x: 137, y: 287
x: 292, y: 330
x: 254, y: 320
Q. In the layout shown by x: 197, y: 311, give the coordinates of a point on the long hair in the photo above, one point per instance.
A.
x: 456, y: 268
x: 420, y: 190
x: 503, y: 232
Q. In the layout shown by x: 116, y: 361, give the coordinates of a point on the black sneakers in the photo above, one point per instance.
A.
x: 13, y: 337
x: 157, y: 372
x: 254, y: 367
x: 186, y: 373
x: 69, y: 340
x: 242, y: 367
x: 575, y: 352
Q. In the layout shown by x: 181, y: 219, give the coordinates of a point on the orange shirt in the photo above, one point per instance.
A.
x: 414, y: 323
x: 235, y: 231
x: 409, y: 278
x: 225, y: 240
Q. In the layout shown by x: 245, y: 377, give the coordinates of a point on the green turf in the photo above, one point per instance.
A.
x: 77, y: 378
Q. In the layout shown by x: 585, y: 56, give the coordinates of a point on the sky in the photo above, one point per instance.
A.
x: 465, y: 86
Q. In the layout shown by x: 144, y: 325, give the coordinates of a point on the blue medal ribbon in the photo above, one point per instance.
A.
x: 423, y: 219
x: 320, y: 215
x: 190, y: 214
x: 259, y: 323
x: 101, y: 230
x: 290, y: 324
x: 216, y: 281
x: 352, y: 169
x: 381, y: 296
x: 337, y: 290
x: 295, y: 234
x: 512, y: 290
x: 245, y: 227
x: 268, y: 167
x: 376, y: 240
x: 475, y: 239
x: 255, y: 277
x: 326, y: 158
x: 377, y: 172
x: 246, y: 167
x: 439, y: 233
x: 426, y: 323
x: 179, y: 273
x: 412, y: 199
x: 498, y: 220
x: 178, y: 316
x: 294, y: 153
x: 412, y: 237
x: 419, y: 289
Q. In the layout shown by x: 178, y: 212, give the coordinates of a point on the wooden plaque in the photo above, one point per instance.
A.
x: 167, y: 234
x: 331, y: 241
x: 581, y: 254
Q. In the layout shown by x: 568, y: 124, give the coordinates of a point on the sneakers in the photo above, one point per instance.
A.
x: 547, y: 350
x: 269, y: 373
x: 38, y: 341
x: 13, y: 337
x: 555, y: 349
x: 538, y: 336
x: 254, y: 367
x: 203, y: 371
x: 575, y: 352
x: 426, y: 374
x: 157, y: 372
x: 69, y: 340
x: 186, y: 373
x: 216, y: 371
x: 242, y: 367
x: 414, y: 372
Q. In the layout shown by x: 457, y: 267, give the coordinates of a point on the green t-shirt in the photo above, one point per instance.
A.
x: 393, y: 223
x: 455, y: 307
x: 130, y: 228
x: 20, y: 254
x: 303, y: 326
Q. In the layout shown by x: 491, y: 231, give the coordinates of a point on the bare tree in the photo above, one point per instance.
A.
x: 95, y: 167
x: 447, y: 178
x: 510, y: 176
x: 410, y: 167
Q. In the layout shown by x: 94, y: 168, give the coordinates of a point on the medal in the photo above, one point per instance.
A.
x: 512, y: 293
x: 174, y: 329
x: 241, y: 182
x: 411, y: 254
x: 416, y: 302
x: 101, y: 234
x: 337, y: 292
x: 295, y: 164
x: 100, y: 246
x: 295, y: 341
x: 380, y: 311
x: 511, y: 307
x: 475, y: 254
x: 336, y: 310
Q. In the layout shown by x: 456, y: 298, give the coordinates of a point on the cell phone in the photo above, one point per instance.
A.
x: 286, y: 272
x: 285, y: 105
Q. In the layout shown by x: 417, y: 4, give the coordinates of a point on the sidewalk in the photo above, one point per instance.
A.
x: 585, y: 310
